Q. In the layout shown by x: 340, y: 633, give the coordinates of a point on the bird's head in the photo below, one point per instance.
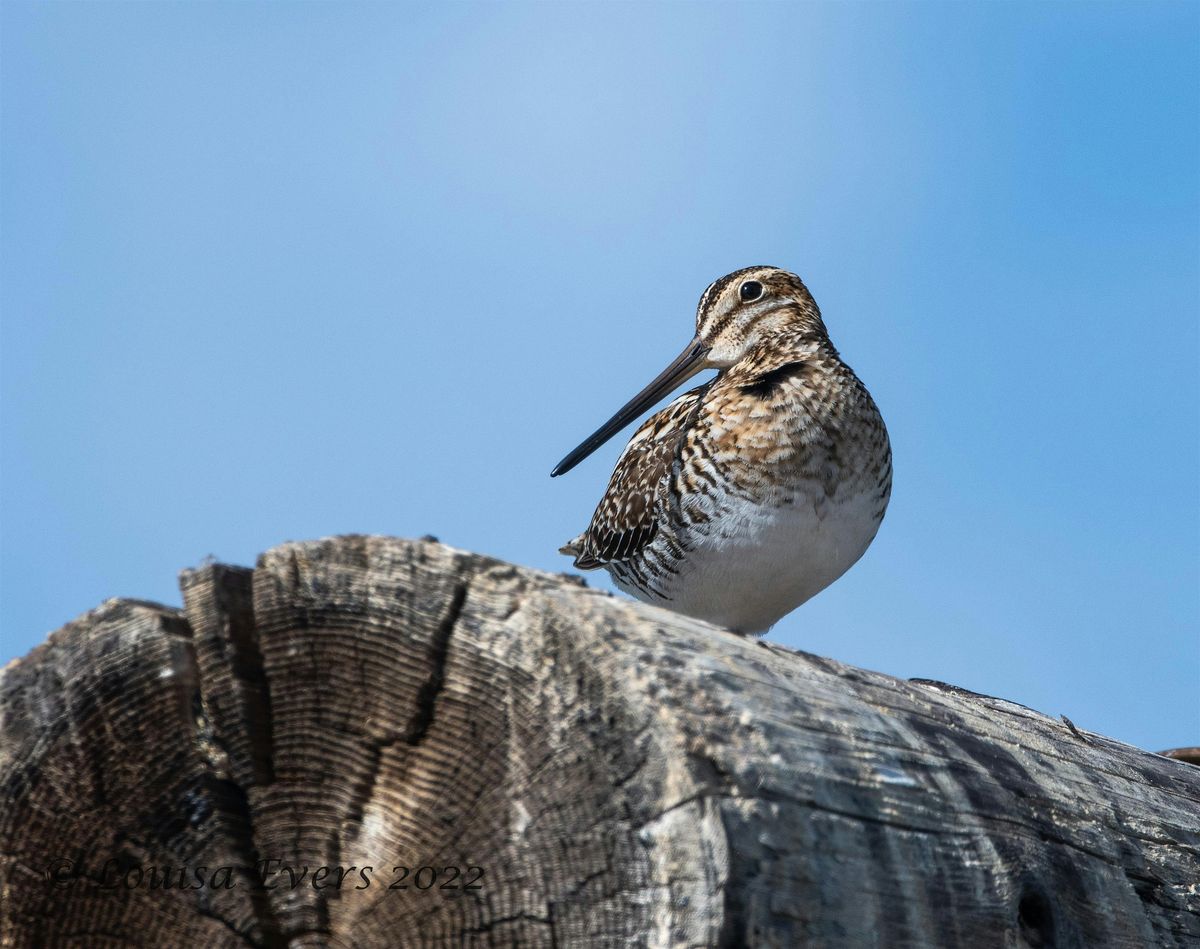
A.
x: 736, y: 315
x: 743, y: 309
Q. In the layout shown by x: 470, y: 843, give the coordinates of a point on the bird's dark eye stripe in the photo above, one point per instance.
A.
x: 750, y: 290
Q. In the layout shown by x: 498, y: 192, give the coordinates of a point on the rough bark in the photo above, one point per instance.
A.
x: 621, y: 775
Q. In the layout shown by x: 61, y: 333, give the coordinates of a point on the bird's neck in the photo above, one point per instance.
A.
x: 780, y: 349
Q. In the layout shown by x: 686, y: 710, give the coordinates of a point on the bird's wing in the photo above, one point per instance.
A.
x: 625, y: 520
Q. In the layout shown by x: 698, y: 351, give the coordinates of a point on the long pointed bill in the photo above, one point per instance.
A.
x: 686, y: 364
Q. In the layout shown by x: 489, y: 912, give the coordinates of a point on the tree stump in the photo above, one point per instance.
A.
x: 367, y: 741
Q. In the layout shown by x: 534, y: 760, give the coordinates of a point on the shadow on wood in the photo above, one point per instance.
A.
x: 567, y: 767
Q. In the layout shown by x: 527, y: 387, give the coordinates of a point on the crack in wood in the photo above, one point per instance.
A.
x: 423, y: 712
x: 439, y: 647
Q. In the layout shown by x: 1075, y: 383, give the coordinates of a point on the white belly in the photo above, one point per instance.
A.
x: 763, y: 561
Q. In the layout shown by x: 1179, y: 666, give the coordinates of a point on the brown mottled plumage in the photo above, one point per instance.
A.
x: 749, y: 494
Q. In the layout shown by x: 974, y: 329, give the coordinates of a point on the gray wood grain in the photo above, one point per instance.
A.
x: 622, y: 775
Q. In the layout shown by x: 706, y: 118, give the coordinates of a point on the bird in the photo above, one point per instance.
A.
x: 752, y: 492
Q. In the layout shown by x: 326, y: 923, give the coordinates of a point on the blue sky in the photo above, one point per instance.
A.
x: 278, y: 271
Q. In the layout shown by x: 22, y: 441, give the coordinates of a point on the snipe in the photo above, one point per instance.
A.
x: 751, y: 493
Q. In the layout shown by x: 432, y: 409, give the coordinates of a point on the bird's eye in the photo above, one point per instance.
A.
x: 750, y: 291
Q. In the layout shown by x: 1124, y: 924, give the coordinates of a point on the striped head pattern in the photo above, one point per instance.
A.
x: 742, y: 309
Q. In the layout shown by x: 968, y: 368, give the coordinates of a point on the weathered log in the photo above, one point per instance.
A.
x: 619, y: 776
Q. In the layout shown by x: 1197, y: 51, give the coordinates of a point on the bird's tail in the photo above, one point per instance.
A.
x: 575, y: 548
